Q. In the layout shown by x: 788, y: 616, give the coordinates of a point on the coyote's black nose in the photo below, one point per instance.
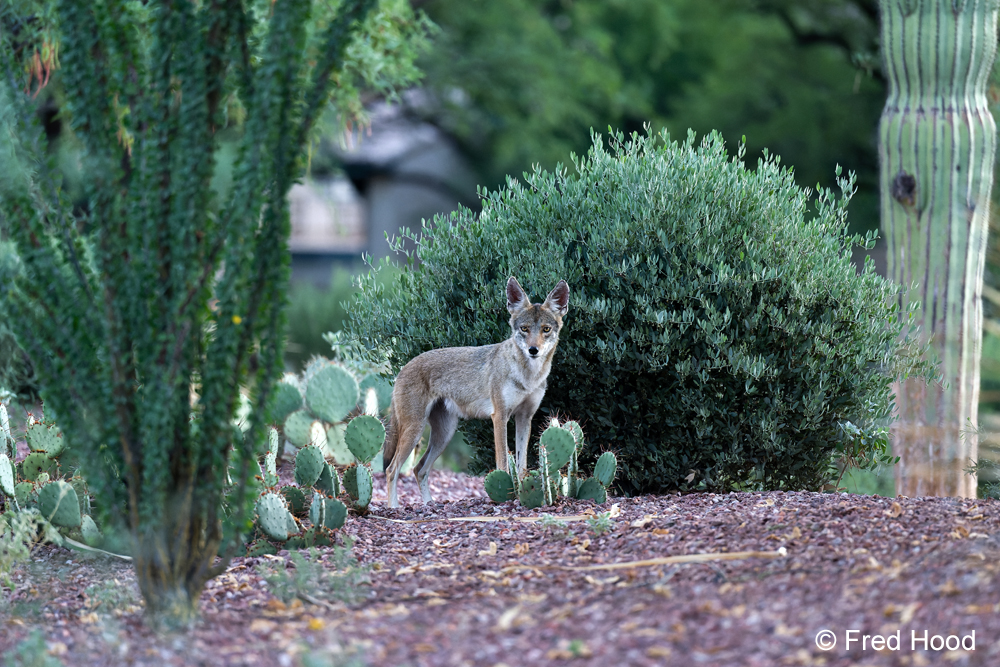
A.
x: 532, y: 351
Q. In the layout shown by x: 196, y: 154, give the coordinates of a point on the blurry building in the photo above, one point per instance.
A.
x: 394, y: 175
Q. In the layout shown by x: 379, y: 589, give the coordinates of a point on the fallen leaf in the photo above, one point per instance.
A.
x: 960, y: 532
x: 949, y: 588
x: 57, y: 648
x: 424, y: 648
x: 639, y: 523
x: 492, y: 551
x: 895, y: 510
x: 262, y: 626
x: 690, y: 477
x: 658, y: 652
x: 521, y: 548
x: 506, y: 620
x: 660, y: 531
x: 795, y: 534
x: 315, y: 623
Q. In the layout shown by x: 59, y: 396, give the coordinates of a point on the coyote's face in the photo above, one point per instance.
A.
x: 535, y: 327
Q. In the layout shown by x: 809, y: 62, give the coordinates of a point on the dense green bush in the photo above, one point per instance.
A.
x: 718, y: 335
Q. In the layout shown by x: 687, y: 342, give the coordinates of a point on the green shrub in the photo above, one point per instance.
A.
x: 718, y: 336
x: 312, y: 312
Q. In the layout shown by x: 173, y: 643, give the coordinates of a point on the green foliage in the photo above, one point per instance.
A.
x: 312, y: 312
x: 521, y: 83
x: 31, y: 651
x: 713, y: 327
x: 311, y: 580
x: 601, y: 523
x: 166, y: 275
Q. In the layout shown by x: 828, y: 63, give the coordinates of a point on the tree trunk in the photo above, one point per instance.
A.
x: 937, y: 141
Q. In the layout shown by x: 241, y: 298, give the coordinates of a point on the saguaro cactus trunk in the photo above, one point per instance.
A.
x: 937, y: 141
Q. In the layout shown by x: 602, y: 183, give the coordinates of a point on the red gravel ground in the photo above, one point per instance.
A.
x: 507, y: 592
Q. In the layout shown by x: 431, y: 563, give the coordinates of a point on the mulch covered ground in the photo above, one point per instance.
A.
x: 509, y: 592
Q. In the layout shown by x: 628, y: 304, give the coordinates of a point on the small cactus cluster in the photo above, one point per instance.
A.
x: 311, y: 408
x: 557, y: 449
x: 317, y: 482
x: 35, y: 482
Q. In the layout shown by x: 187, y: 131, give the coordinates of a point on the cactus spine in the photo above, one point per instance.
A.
x: 937, y: 142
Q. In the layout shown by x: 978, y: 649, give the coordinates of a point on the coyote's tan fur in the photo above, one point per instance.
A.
x: 490, y: 382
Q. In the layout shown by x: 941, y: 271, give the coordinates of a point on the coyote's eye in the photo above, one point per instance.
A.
x: 546, y: 329
x: 524, y: 329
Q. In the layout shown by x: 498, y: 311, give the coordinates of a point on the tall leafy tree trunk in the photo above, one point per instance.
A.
x: 937, y: 141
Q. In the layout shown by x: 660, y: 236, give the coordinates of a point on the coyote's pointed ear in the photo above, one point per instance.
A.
x: 516, y: 298
x: 558, y: 298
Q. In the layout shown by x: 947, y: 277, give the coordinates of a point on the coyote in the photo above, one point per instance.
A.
x: 492, y: 381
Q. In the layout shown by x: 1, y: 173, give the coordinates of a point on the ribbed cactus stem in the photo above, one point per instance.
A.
x: 937, y: 141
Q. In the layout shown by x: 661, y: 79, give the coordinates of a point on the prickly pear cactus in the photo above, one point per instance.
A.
x: 329, y: 481
x: 559, y: 446
x: 605, y: 469
x: 332, y: 393
x: 298, y: 426
x: 92, y: 536
x: 337, y: 446
x: 272, y: 516
x: 382, y: 387
x: 6, y: 441
x: 35, y: 464
x: 358, y: 484
x: 261, y: 547
x: 295, y: 498
x: 25, y: 494
x: 593, y: 490
x: 327, y: 512
x: 309, y: 465
x: 512, y: 469
x: 577, y: 432
x: 6, y: 475
x: 286, y: 400
x: 45, y: 438
x: 499, y: 486
x: 58, y: 503
x: 364, y: 436
x: 532, y: 493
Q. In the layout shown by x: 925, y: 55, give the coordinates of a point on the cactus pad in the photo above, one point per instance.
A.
x: 358, y: 484
x: 559, y: 445
x: 269, y: 471
x: 58, y: 503
x: 308, y: 465
x: 45, y: 438
x: 285, y: 400
x: 261, y: 547
x: 36, y: 463
x: 329, y: 481
x: 297, y: 427
x: 295, y: 498
x: 364, y: 436
x: 605, y: 469
x: 593, y: 490
x: 332, y: 393
x: 338, y: 447
x: 6, y: 475
x: 79, y: 485
x: 272, y: 516
x: 499, y: 486
x: 532, y: 492
x: 382, y: 387
x: 292, y: 524
x: 333, y: 516
x: 272, y: 441
x: 577, y: 432
x: 24, y: 494
x: 91, y: 534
